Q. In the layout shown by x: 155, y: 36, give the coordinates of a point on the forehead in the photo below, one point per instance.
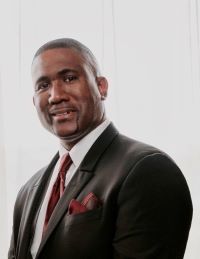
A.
x: 53, y: 60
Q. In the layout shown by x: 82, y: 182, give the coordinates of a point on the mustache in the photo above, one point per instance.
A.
x: 62, y: 107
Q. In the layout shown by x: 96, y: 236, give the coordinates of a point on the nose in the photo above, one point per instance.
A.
x: 57, y: 93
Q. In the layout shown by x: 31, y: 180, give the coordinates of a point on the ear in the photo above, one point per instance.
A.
x: 33, y: 101
x: 102, y: 84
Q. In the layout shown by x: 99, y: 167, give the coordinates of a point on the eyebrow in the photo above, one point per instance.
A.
x: 66, y: 70
x: 59, y: 73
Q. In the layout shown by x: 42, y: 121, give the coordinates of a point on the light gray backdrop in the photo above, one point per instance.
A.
x: 150, y: 53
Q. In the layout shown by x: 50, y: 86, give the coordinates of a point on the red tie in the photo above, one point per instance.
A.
x: 58, y: 187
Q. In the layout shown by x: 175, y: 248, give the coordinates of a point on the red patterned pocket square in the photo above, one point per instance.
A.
x: 90, y: 202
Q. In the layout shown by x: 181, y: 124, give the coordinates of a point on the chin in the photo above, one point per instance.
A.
x: 64, y: 131
x: 64, y: 134
x: 69, y: 139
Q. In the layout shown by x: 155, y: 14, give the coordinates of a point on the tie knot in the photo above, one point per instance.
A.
x: 65, y: 162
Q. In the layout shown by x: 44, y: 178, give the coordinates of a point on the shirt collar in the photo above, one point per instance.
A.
x: 78, y: 152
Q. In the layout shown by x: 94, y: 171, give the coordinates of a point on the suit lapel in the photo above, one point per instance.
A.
x: 32, y: 204
x: 80, y: 179
x: 98, y: 148
x: 78, y: 182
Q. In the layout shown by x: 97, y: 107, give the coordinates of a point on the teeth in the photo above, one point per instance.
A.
x: 60, y: 114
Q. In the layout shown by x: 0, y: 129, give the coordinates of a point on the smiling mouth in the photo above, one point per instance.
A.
x: 63, y: 114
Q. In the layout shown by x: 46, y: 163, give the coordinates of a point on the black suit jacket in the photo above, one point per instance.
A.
x: 145, y: 214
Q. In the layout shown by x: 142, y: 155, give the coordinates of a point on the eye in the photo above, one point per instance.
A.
x: 42, y: 86
x: 69, y: 78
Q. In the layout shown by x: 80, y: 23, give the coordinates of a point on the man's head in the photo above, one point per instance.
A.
x: 69, y: 43
x: 69, y: 90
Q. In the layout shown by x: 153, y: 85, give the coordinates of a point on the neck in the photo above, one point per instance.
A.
x: 68, y: 143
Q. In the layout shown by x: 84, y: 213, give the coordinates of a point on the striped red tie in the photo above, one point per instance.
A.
x: 58, y: 187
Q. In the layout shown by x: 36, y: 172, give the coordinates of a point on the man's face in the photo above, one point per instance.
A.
x: 68, y: 96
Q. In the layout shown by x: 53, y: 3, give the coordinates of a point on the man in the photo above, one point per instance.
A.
x: 119, y: 199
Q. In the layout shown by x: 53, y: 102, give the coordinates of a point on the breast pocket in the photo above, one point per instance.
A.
x: 84, y: 218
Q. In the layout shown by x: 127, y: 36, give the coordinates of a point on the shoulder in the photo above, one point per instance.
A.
x: 149, y: 160
x: 137, y: 152
x: 40, y: 175
x: 29, y: 185
x: 152, y: 171
x: 128, y: 155
x: 135, y: 145
x: 118, y: 145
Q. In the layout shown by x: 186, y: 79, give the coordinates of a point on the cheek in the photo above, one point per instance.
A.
x: 38, y: 106
x: 88, y: 105
x: 42, y: 113
x: 40, y: 103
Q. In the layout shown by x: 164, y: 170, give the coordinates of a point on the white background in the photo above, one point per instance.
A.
x: 150, y: 53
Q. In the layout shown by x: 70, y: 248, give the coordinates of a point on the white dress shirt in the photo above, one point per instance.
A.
x: 77, y: 153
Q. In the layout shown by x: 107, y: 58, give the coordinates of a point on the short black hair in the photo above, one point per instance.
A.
x: 72, y: 44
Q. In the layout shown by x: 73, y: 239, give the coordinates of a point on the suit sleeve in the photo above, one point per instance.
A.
x: 11, y: 253
x: 16, y: 222
x: 154, y: 211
